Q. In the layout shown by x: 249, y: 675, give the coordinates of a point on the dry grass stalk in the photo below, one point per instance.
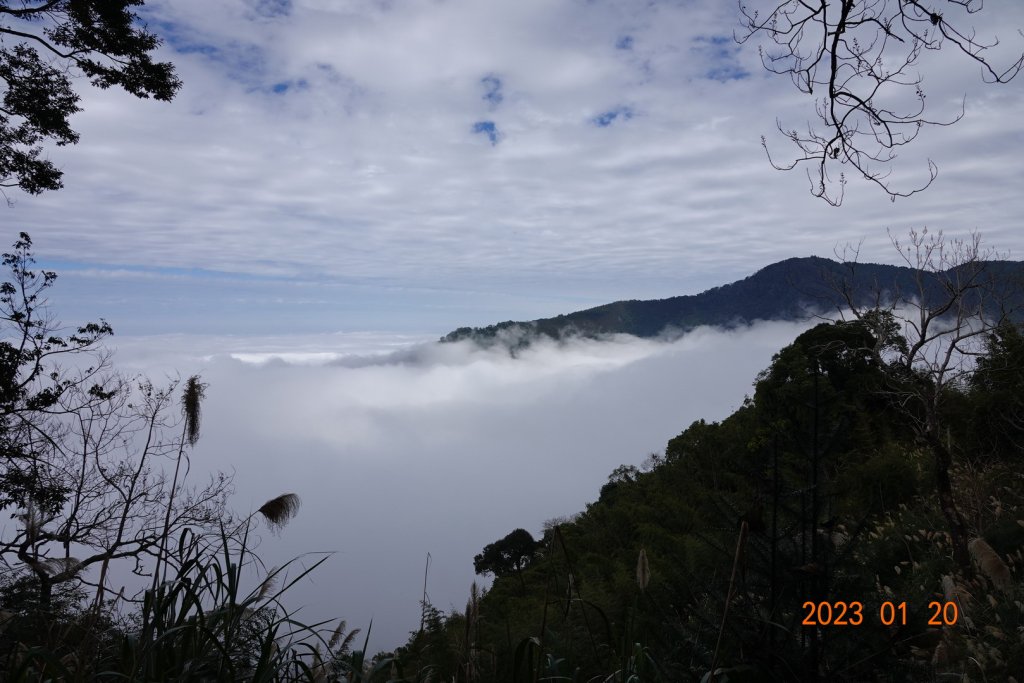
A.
x: 336, y: 636
x: 948, y: 588
x: 473, y: 607
x: 643, y: 570
x: 958, y: 593
x: 740, y: 542
x: 991, y: 564
x: 267, y: 585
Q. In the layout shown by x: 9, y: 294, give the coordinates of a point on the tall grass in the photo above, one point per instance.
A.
x: 201, y: 623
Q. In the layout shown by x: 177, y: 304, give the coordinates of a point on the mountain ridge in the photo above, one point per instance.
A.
x: 784, y: 290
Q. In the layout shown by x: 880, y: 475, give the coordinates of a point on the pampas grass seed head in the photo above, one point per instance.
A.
x: 278, y: 511
x: 991, y: 564
x: 643, y: 570
x: 190, y: 400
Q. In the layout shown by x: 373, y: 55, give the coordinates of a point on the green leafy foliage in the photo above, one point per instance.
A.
x: 45, y: 42
x: 509, y: 555
x: 998, y: 387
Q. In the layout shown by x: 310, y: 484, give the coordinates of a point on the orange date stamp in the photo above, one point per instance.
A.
x: 842, y: 613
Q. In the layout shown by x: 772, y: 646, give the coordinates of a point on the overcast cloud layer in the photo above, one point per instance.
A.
x: 438, y: 449
x: 420, y: 165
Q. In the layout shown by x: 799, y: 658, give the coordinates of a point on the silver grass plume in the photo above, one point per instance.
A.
x: 319, y: 668
x: 32, y: 521
x: 472, y: 615
x: 345, y: 647
x: 190, y: 400
x: 958, y: 593
x: 336, y: 636
x: 474, y: 602
x: 278, y: 511
x: 267, y: 585
x: 643, y: 570
x: 948, y: 588
x: 340, y: 643
x: 991, y: 564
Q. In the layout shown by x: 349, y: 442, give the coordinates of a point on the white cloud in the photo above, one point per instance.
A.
x: 440, y: 448
x: 366, y: 167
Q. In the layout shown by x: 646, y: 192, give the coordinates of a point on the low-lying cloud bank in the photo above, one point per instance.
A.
x: 440, y: 448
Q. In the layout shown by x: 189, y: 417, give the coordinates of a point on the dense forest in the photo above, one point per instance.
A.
x: 819, y: 491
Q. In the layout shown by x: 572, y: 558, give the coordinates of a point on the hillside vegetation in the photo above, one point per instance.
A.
x: 817, y: 490
x: 787, y: 290
x: 859, y: 518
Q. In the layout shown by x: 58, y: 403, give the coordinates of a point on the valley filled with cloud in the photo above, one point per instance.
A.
x: 439, y: 448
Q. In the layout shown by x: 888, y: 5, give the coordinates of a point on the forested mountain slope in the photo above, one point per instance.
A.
x: 800, y: 539
x: 786, y: 290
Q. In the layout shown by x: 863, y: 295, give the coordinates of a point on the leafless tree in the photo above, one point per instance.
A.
x: 859, y: 58
x: 86, y: 452
x: 928, y: 337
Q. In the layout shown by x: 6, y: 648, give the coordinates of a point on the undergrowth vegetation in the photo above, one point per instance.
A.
x: 95, y: 480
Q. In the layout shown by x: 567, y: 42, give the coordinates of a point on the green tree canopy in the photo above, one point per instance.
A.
x: 510, y: 554
x: 43, y: 45
x: 998, y: 388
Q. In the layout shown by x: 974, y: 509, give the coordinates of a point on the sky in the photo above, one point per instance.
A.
x: 338, y: 182
x: 417, y: 165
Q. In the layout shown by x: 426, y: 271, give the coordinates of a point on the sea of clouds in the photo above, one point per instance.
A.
x: 400, y: 447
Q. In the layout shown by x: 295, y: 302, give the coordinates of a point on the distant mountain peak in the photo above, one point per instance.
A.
x: 787, y: 290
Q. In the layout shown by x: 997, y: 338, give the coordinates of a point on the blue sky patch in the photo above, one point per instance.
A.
x: 175, y: 38
x: 273, y: 8
x: 284, y: 86
x: 728, y: 72
x: 624, y: 43
x: 240, y: 61
x: 609, y: 117
x: 719, y: 52
x: 492, y: 89
x: 489, y: 129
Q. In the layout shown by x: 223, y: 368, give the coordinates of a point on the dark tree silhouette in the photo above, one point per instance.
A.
x: 43, y: 45
x: 999, y: 386
x: 956, y: 304
x: 859, y: 58
x: 506, y: 556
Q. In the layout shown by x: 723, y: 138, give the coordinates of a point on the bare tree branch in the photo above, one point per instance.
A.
x: 861, y: 58
x: 954, y: 305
